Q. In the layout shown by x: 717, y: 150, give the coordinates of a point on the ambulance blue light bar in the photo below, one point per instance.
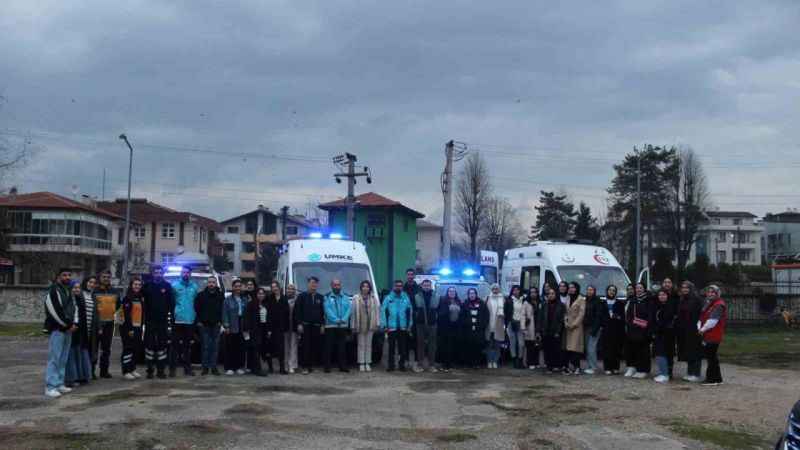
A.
x: 335, y: 235
x: 174, y: 268
x: 315, y: 235
x: 445, y: 271
x: 469, y: 272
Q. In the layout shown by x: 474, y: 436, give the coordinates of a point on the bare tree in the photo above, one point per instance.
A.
x: 472, y: 197
x: 688, y: 198
x: 14, y: 152
x: 502, y: 229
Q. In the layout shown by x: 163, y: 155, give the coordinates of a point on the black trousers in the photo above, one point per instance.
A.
x: 713, y: 372
x: 532, y: 353
x: 310, y: 345
x: 553, y: 358
x: 131, y: 345
x: 446, y: 346
x: 155, y: 345
x: 639, y: 355
x: 273, y: 348
x: 574, y: 359
x: 398, y: 340
x: 335, y: 338
x: 104, y: 345
x: 182, y: 337
x: 234, y: 351
x: 253, y: 350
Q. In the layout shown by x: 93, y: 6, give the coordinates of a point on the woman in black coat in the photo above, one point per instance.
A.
x: 447, y: 328
x: 278, y: 311
x: 473, y: 321
x: 255, y: 329
x: 690, y: 343
x: 664, y: 312
x: 614, y: 332
x: 639, y: 328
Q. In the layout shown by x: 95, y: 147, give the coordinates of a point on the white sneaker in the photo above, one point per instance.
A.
x: 630, y: 372
x: 369, y: 368
x: 640, y: 375
x: 136, y: 374
x: 589, y: 371
x: 488, y: 365
x: 608, y: 372
x: 362, y: 368
x: 129, y: 376
x: 240, y: 372
x: 64, y: 389
x: 693, y: 379
x: 291, y: 371
x: 52, y: 393
x: 229, y: 372
x: 433, y: 369
x: 531, y: 367
x: 661, y: 379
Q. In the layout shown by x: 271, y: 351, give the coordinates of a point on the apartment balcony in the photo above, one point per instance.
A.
x: 247, y: 256
x: 262, y: 238
x: 48, y: 243
x: 244, y: 274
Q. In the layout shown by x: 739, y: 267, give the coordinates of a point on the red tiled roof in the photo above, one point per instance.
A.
x: 144, y: 211
x: 371, y: 200
x: 49, y: 200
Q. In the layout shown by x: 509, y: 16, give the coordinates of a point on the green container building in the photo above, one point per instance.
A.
x: 386, y: 227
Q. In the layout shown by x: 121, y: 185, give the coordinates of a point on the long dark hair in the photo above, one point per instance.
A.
x: 616, y: 291
x: 477, y: 297
x: 130, y: 287
x: 517, y: 287
x: 369, y: 284
x: 533, y: 291
x: 267, y: 295
x: 85, y: 282
x: 594, y: 296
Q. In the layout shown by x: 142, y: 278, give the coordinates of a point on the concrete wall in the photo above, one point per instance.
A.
x: 429, y: 246
x: 22, y: 304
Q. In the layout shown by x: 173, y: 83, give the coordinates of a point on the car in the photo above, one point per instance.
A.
x: 790, y: 439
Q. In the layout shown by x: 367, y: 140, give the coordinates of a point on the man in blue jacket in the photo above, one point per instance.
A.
x: 185, y: 291
x: 397, y: 313
x: 337, y: 324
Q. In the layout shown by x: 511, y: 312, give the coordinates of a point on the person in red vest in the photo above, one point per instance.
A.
x: 711, y: 327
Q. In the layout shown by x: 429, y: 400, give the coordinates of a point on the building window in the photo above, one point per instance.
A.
x: 722, y: 257
x: 251, y: 225
x: 139, y: 232
x: 716, y: 221
x: 195, y: 233
x: 291, y: 230
x: 737, y: 221
x: 248, y: 266
x: 168, y: 230
x: 248, y: 247
x: 722, y: 236
x: 167, y: 258
x: 417, y: 235
x: 233, y: 230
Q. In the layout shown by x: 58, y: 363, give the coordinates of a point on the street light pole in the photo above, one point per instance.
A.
x: 127, y: 212
x: 347, y: 165
x: 638, y: 211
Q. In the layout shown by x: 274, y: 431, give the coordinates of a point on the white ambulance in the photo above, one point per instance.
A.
x: 552, y: 262
x: 327, y: 259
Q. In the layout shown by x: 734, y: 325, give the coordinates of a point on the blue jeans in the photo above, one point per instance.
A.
x: 493, y: 351
x: 209, y: 336
x: 591, y: 349
x: 663, y: 365
x: 57, y: 355
x: 516, y: 343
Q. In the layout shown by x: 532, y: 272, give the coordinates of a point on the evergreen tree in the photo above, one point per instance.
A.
x: 586, y: 227
x: 555, y: 217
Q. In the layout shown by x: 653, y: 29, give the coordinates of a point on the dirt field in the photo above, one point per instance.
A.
x: 501, y: 409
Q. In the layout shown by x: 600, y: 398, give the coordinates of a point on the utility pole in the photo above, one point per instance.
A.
x: 447, y: 191
x: 347, y: 166
x: 453, y: 152
x: 127, y: 212
x: 284, y: 217
x: 638, y: 211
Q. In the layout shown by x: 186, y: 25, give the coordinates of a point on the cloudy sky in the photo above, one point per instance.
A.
x: 232, y: 104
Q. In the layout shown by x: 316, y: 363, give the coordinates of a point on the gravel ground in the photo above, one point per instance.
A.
x: 477, y: 409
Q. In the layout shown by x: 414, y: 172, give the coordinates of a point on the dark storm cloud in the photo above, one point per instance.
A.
x: 392, y: 81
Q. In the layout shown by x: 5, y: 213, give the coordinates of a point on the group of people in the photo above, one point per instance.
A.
x: 302, y: 330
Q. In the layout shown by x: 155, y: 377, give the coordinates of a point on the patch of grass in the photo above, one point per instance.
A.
x: 726, y: 438
x: 456, y: 437
x: 21, y: 330
x: 761, y: 347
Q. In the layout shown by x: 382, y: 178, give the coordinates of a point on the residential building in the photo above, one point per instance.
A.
x: 731, y: 237
x: 386, y: 227
x: 46, y: 231
x: 782, y: 235
x: 242, y: 236
x: 161, y: 234
x: 429, y: 245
